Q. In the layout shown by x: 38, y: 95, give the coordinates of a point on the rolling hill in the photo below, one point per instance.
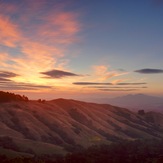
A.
x: 60, y: 126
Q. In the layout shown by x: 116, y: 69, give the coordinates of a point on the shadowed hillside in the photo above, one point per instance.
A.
x: 60, y: 126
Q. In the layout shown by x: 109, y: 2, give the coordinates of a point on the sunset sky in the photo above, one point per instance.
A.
x: 81, y: 48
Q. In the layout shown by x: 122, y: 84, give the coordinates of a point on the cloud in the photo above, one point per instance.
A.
x: 2, y: 80
x: 17, y: 87
x: 31, y: 86
x: 60, y: 28
x: 100, y: 69
x: 9, y: 33
x: 6, y: 84
x: 126, y: 90
x: 149, y: 71
x: 9, y: 84
x: 91, y: 83
x: 39, y: 56
x: 111, y: 87
x: 34, y: 36
x: 3, y: 59
x: 57, y: 74
x: 103, y: 72
x: 6, y: 74
x: 131, y: 83
x: 114, y: 82
x: 8, y: 8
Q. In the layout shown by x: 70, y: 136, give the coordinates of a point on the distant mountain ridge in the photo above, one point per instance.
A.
x: 136, y: 102
x: 59, y: 126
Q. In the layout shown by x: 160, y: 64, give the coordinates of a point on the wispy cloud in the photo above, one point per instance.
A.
x: 6, y: 84
x: 7, y: 74
x: 40, y: 46
x: 60, y: 28
x: 4, y: 58
x: 131, y: 83
x: 125, y: 90
x: 111, y: 87
x: 4, y: 80
x: 8, y: 8
x: 149, y: 71
x: 57, y: 74
x: 9, y: 33
x: 104, y: 72
x: 91, y: 83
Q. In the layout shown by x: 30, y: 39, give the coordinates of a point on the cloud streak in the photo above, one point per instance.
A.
x: 111, y: 86
x: 149, y: 71
x: 125, y: 90
x: 103, y: 73
x: 9, y: 33
x: 57, y: 74
x: 6, y: 83
x: 4, y: 80
x: 11, y: 85
x: 7, y: 74
x: 131, y: 83
x: 104, y: 87
x: 36, y: 41
x: 92, y: 83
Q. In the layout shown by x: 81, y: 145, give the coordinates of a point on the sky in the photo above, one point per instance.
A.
x: 80, y: 48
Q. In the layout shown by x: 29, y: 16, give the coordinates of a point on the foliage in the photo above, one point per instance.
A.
x: 141, y: 112
x: 7, y: 97
x: 138, y: 151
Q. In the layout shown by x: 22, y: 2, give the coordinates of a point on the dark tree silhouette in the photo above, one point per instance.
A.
x: 7, y: 97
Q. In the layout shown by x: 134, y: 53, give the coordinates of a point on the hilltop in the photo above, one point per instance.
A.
x: 60, y: 126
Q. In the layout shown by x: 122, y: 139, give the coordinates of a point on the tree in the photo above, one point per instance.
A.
x: 141, y: 112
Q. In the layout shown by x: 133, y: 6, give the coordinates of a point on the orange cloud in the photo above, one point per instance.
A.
x: 100, y: 70
x: 102, y: 73
x: 118, y: 81
x: 38, y: 38
x: 39, y: 57
x: 3, y: 59
x: 9, y: 33
x: 59, y: 28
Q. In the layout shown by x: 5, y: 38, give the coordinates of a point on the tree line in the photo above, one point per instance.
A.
x: 7, y: 97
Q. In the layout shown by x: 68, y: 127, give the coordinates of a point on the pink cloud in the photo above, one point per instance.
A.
x: 118, y: 81
x: 60, y: 28
x: 35, y: 5
x: 103, y: 73
x: 39, y: 39
x: 8, y: 8
x: 9, y: 33
x: 3, y: 59
x: 100, y: 69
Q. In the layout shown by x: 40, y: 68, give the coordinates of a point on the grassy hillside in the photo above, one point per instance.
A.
x: 60, y: 126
